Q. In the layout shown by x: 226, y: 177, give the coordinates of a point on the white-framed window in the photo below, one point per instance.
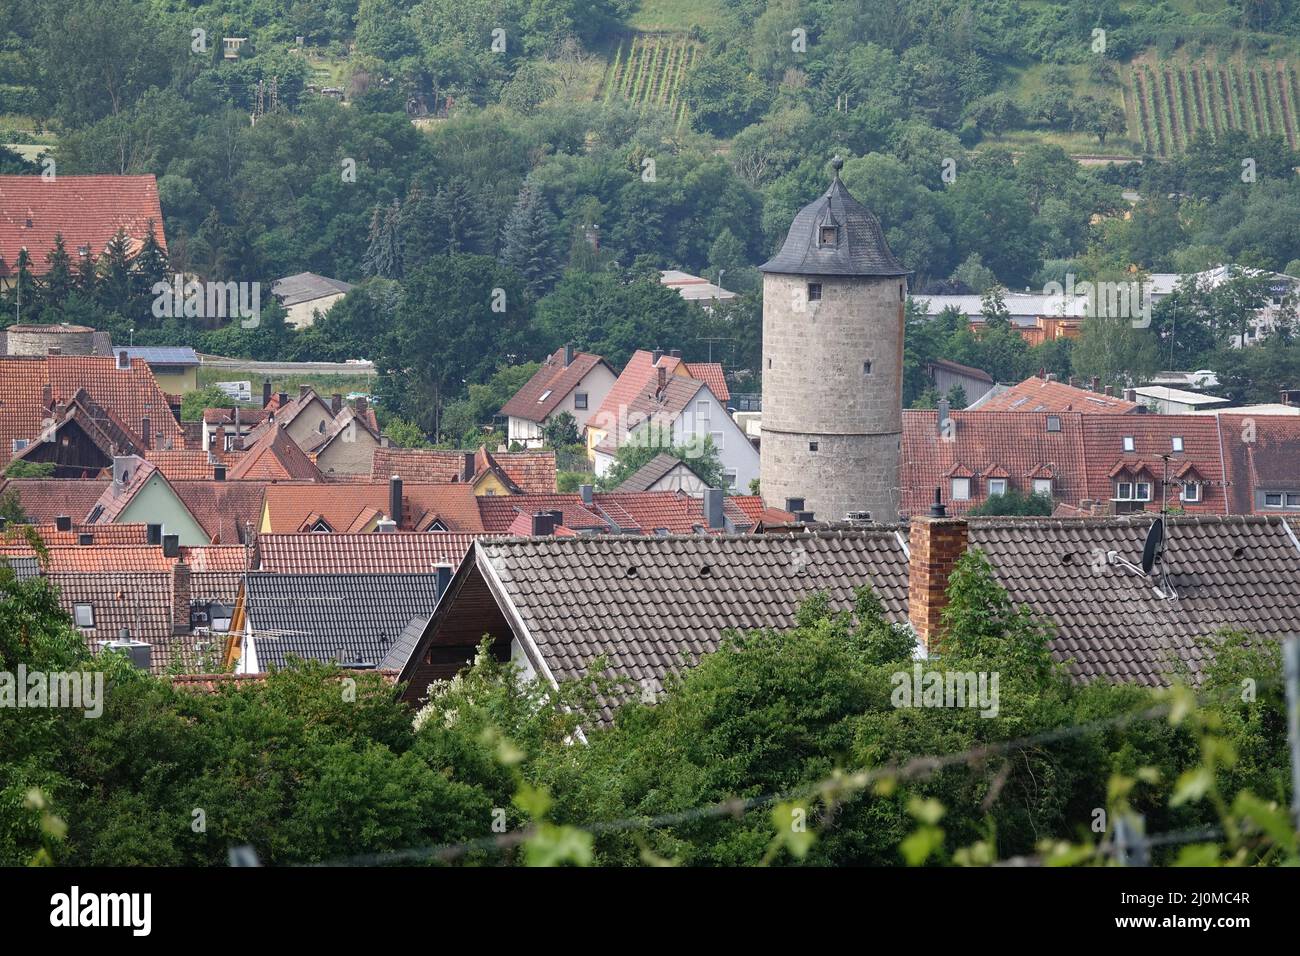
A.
x: 997, y: 486
x: 730, y: 477
x: 1128, y: 443
x: 1273, y: 499
x: 1293, y: 500
x: 544, y: 396
x: 717, y: 440
x: 1132, y: 491
x: 1191, y: 492
x: 19, y: 444
x: 1177, y: 442
x: 83, y: 615
x: 961, y: 489
x: 1053, y: 423
x: 1043, y: 486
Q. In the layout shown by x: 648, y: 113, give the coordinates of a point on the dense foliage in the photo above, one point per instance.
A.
x: 320, y: 764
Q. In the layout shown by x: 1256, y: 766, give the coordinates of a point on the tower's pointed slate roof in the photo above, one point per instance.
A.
x: 859, y: 248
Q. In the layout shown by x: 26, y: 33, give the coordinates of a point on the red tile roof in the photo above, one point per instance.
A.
x: 637, y: 374
x: 131, y: 395
x: 532, y: 471
x: 711, y: 374
x: 275, y: 457
x: 1261, y: 452
x: 1036, y: 394
x: 191, y: 464
x: 651, y: 405
x: 1106, y: 460
x: 555, y: 381
x: 980, y: 442
x: 341, y: 505
x: 224, y: 508
x: 499, y: 512
x: 85, y: 210
x: 44, y: 499
x: 397, y: 552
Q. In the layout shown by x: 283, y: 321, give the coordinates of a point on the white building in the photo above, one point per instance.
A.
x: 306, y: 295
x: 568, y: 381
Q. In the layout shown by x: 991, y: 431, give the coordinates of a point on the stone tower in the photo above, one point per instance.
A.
x: 833, y: 363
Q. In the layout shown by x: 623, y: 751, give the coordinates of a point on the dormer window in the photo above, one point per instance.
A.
x: 829, y: 235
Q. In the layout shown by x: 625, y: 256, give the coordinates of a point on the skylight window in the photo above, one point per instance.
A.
x: 1177, y: 442
x: 544, y: 396
x: 1128, y: 443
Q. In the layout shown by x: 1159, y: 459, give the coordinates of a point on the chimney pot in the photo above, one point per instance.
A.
x: 303, y: 390
x: 336, y: 403
x: 266, y: 394
x: 944, y: 415
x: 543, y: 523
x: 1095, y: 384
x: 662, y: 381
x: 568, y: 355
x: 587, y: 493
x: 1130, y: 395
x: 284, y: 399
x: 656, y: 355
x: 675, y: 353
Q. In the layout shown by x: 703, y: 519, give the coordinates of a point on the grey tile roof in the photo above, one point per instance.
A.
x: 306, y: 287
x: 23, y: 568
x: 1239, y: 572
x: 343, y: 617
x: 644, y: 478
x: 654, y: 605
x: 399, y: 652
x: 860, y: 248
x: 650, y: 606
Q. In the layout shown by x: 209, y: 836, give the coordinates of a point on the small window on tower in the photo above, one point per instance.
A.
x: 813, y: 446
x: 830, y: 235
x: 866, y: 367
x: 814, y: 291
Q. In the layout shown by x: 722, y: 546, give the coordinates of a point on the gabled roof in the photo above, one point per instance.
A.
x: 550, y: 385
x: 859, y: 248
x: 85, y: 210
x: 137, y: 474
x: 289, y: 504
x: 1238, y: 572
x: 307, y: 287
x: 711, y: 374
x: 1259, y: 453
x: 192, y: 464
x: 44, y: 499
x: 1019, y: 442
x: 652, y: 407
x: 653, y: 605
x: 130, y: 395
x: 652, y: 472
x: 397, y: 552
x: 499, y: 511
x: 1036, y: 394
x: 344, y: 426
x: 225, y: 509
x: 275, y: 457
x: 108, y: 434
x: 1104, y: 453
x: 639, y: 512
x: 639, y: 372
x: 333, y: 617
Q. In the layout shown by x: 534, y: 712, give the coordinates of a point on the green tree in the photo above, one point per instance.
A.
x: 529, y: 240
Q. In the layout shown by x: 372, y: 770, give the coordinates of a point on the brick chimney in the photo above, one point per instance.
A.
x: 662, y: 380
x: 266, y: 393
x: 180, y: 598
x: 935, y: 542
x: 336, y: 404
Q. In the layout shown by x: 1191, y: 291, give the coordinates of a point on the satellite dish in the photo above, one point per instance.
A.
x: 1155, y: 546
